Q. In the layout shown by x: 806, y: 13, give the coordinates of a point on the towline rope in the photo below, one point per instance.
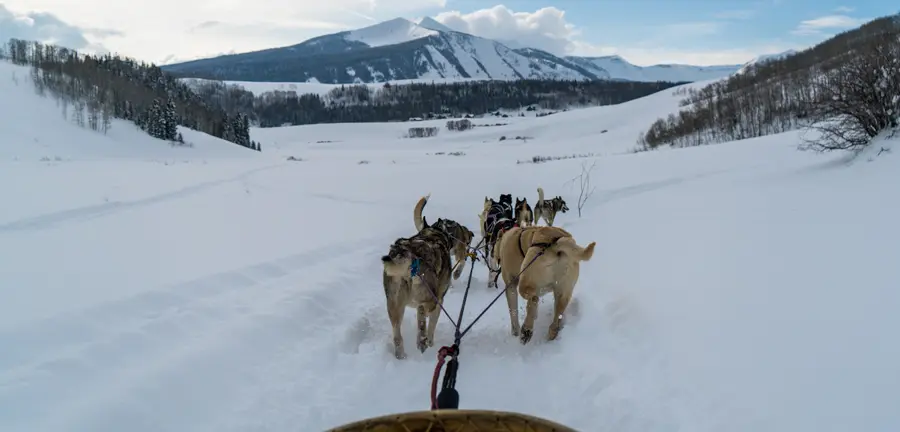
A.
x: 448, y: 398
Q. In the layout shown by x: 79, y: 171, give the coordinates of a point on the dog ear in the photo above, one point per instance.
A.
x: 424, y: 223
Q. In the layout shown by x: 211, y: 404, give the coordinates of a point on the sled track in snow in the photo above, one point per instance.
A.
x: 111, y: 355
x: 99, y: 210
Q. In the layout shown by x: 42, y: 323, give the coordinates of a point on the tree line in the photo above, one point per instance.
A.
x: 847, y: 88
x: 98, y: 88
x: 393, y: 102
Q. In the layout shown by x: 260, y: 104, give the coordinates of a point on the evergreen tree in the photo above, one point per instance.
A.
x: 155, y: 120
x: 171, y: 121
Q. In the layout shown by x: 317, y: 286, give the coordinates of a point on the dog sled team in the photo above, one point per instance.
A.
x: 533, y: 260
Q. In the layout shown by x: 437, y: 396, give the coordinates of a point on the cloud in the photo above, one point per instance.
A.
x: 47, y: 28
x: 545, y: 28
x: 818, y: 26
x: 155, y: 32
x: 548, y: 29
x: 844, y: 9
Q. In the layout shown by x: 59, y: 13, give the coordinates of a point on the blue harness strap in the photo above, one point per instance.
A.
x: 414, y: 268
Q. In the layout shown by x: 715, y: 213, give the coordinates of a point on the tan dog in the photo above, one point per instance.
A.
x: 459, y: 234
x: 417, y: 275
x: 556, y: 271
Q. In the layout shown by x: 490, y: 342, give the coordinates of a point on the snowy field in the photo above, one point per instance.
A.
x: 737, y: 287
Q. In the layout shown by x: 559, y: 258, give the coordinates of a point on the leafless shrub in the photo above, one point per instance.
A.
x: 584, y: 184
x: 860, y: 98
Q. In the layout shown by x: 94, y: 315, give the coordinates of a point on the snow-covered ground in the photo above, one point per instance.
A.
x: 741, y: 287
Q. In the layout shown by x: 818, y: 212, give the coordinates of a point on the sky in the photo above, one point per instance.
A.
x: 644, y: 32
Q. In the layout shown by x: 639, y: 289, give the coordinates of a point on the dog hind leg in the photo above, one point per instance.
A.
x: 531, y: 310
x: 512, y: 303
x: 421, y: 338
x: 396, y: 308
x: 433, y: 316
x: 561, y: 298
x: 460, y: 254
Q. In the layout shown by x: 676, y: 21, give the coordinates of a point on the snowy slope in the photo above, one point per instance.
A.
x: 733, y: 287
x: 763, y: 59
x: 430, y: 23
x: 390, y: 32
x: 616, y: 67
x: 59, y: 138
x: 400, y: 49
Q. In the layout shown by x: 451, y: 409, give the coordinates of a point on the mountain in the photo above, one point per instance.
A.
x: 400, y: 49
x: 616, y: 67
x: 765, y: 58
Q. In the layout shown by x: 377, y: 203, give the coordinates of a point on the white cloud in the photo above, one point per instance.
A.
x: 168, y: 28
x: 545, y: 28
x: 200, y: 28
x: 548, y: 29
x: 844, y: 9
x: 818, y: 26
x: 47, y: 28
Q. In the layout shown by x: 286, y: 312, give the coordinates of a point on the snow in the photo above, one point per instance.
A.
x: 616, y: 67
x: 392, y: 32
x: 764, y: 59
x: 745, y: 286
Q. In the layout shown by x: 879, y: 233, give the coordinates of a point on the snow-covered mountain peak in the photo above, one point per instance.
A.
x: 432, y: 24
x: 395, y: 31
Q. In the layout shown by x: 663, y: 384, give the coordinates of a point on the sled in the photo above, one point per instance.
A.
x: 456, y: 421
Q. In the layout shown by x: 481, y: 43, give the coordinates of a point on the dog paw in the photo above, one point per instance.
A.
x: 400, y: 354
x: 515, y: 332
x: 423, y: 344
x: 526, y: 336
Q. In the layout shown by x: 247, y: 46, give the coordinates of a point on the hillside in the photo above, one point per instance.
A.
x: 616, y: 67
x: 846, y: 89
x: 39, y: 129
x: 399, y: 49
x: 151, y: 287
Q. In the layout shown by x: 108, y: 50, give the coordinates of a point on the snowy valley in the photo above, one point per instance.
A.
x: 148, y: 286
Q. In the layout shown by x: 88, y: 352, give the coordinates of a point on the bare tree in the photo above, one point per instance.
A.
x: 584, y: 184
x: 860, y: 99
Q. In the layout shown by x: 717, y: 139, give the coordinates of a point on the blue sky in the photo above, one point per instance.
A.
x: 725, y: 29
x: 700, y: 32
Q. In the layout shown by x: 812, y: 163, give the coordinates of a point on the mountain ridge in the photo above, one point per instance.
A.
x: 400, y: 49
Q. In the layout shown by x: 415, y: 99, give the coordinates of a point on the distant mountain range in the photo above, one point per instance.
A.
x: 400, y: 49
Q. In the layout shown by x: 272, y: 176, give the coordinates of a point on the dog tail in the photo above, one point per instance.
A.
x: 395, y: 266
x: 418, y: 220
x: 540, y: 201
x: 568, y: 246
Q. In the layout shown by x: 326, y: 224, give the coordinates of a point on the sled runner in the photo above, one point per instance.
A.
x: 456, y: 421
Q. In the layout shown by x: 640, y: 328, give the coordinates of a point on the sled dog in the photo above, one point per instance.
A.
x: 548, y: 209
x: 458, y: 233
x: 496, y: 217
x: 524, y: 215
x: 417, y: 275
x: 556, y: 271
